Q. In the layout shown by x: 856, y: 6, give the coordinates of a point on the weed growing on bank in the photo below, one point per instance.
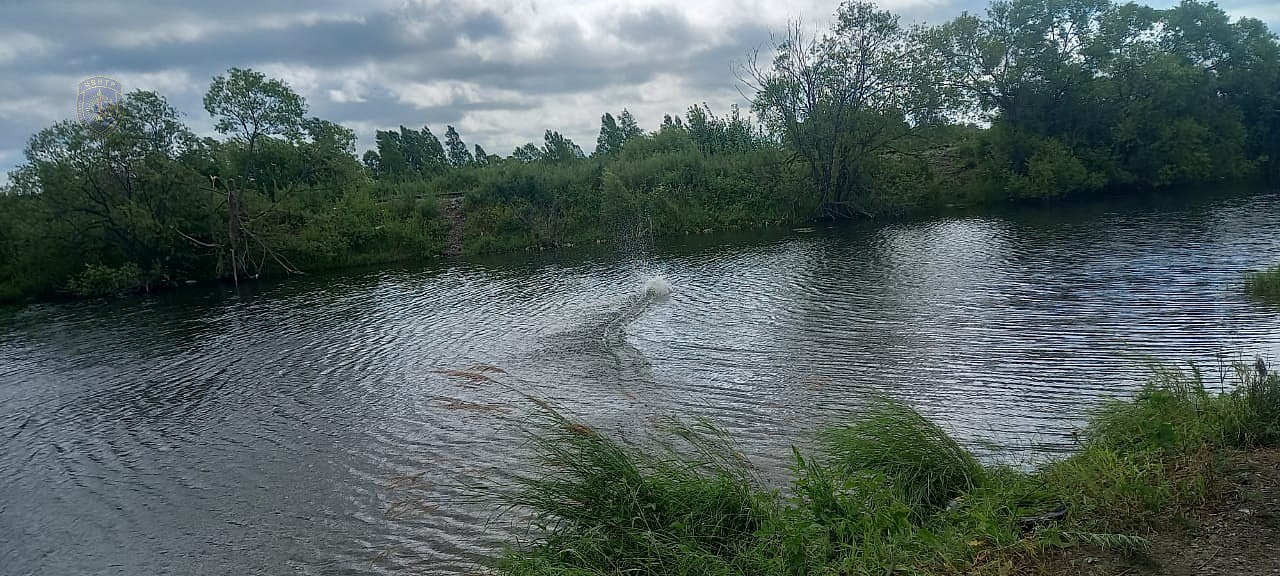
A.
x: 890, y: 492
x: 1264, y: 285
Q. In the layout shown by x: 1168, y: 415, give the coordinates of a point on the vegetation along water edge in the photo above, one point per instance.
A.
x: 1028, y: 101
x: 1160, y: 483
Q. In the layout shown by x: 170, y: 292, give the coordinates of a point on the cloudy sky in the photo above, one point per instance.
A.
x: 501, y: 71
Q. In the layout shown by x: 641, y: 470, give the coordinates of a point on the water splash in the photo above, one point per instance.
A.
x: 657, y: 288
x: 635, y: 244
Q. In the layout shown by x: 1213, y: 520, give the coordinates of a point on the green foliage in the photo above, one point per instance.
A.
x: 924, y: 465
x: 606, y: 505
x: 105, y: 199
x: 1146, y: 461
x: 1175, y: 413
x: 841, y: 101
x: 1265, y: 284
x: 867, y: 119
x: 890, y: 493
x: 250, y: 105
x: 557, y: 149
x: 381, y: 223
x: 408, y: 153
x: 456, y: 149
x: 1051, y: 171
x: 610, y: 139
x: 101, y: 280
x: 148, y: 205
x: 1087, y: 94
x: 658, y: 184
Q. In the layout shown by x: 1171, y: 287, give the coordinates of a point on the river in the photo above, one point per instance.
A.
x: 262, y: 431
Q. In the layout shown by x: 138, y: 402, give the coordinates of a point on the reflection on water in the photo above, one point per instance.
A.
x: 207, y: 432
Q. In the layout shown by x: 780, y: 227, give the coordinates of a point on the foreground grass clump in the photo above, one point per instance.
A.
x: 1265, y: 284
x: 890, y: 492
x: 611, y: 507
x: 1151, y: 459
x: 927, y: 466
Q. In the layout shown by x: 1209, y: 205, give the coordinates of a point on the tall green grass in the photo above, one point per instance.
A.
x: 1265, y: 284
x: 890, y: 492
x: 1176, y: 413
x: 609, y: 506
x: 925, y: 466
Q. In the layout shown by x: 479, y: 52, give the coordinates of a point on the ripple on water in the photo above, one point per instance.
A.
x: 209, y: 433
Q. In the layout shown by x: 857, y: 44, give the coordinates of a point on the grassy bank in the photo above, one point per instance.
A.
x: 1264, y: 285
x: 888, y: 493
x: 149, y: 204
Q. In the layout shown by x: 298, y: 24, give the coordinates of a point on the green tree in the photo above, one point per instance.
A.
x: 328, y: 156
x: 372, y: 162
x: 527, y: 153
x: 627, y: 126
x: 249, y: 106
x: 390, y: 156
x: 610, y: 140
x: 434, y: 157
x: 125, y: 193
x: 1095, y: 93
x: 457, y: 151
x: 839, y: 101
x: 558, y: 149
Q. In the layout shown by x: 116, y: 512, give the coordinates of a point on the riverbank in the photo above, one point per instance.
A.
x: 1232, y: 533
x: 893, y: 493
x: 322, y: 384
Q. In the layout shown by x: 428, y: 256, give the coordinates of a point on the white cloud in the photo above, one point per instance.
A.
x: 174, y: 32
x: 346, y: 95
x: 170, y: 83
x: 578, y: 115
x: 502, y: 71
x: 305, y: 80
x: 31, y: 107
x: 21, y: 45
x: 286, y: 20
x: 1265, y: 11
x: 443, y: 93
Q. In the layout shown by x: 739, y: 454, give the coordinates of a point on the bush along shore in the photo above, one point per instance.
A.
x: 1028, y: 101
x: 1264, y: 285
x: 892, y: 493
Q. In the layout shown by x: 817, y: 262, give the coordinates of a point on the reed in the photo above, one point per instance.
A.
x: 924, y: 464
x: 610, y: 506
x: 891, y: 492
x: 1264, y: 285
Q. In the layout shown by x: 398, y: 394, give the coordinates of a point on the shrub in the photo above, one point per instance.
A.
x: 890, y: 493
x: 103, y: 280
x: 925, y: 465
x: 1264, y: 285
x: 608, y: 506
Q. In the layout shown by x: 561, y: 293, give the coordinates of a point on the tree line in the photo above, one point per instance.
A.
x: 1032, y: 99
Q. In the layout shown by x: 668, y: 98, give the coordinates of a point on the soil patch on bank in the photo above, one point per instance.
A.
x: 1237, y: 534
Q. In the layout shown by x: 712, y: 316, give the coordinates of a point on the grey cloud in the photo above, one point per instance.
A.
x: 371, y: 52
x: 654, y: 25
x: 482, y: 26
x: 323, y: 44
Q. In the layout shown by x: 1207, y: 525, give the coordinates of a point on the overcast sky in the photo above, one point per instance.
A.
x: 501, y: 71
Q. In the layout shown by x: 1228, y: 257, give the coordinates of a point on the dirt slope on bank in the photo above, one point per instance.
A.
x: 1236, y: 535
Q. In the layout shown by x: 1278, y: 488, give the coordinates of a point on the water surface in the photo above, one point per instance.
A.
x: 213, y: 432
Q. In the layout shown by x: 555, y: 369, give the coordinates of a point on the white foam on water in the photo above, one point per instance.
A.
x: 657, y: 287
